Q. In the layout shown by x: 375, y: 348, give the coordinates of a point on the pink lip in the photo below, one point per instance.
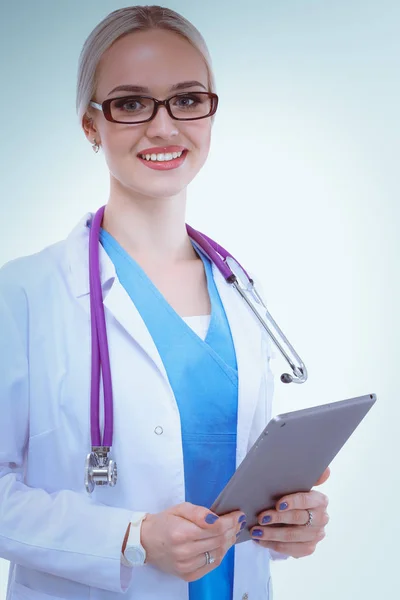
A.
x: 162, y: 150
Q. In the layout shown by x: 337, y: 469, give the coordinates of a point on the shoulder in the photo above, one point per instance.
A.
x: 36, y: 275
x: 26, y: 278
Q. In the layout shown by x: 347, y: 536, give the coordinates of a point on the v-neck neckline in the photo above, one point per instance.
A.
x: 108, y: 238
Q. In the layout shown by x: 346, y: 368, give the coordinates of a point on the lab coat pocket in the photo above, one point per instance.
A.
x: 21, y: 592
x: 53, y: 464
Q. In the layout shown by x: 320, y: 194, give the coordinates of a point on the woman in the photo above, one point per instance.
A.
x: 191, y: 383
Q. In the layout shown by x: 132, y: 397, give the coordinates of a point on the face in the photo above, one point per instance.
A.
x: 157, y: 60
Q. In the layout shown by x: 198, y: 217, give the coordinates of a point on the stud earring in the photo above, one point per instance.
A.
x: 95, y: 146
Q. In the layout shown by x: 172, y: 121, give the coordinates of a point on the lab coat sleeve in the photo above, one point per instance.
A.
x: 64, y: 533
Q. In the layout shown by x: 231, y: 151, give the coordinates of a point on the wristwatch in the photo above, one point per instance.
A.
x: 134, y: 554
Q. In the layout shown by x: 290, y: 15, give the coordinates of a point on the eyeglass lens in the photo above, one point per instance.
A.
x: 137, y: 108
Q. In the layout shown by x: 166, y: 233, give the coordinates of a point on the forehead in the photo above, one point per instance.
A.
x: 156, y: 59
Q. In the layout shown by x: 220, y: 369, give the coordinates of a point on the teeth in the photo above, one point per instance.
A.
x: 161, y: 157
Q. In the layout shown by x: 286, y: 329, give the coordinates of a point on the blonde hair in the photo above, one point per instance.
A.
x: 121, y: 22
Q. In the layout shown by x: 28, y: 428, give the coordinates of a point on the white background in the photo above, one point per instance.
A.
x: 301, y: 185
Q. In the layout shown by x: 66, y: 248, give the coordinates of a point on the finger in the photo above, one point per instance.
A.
x: 293, y: 517
x: 211, y: 544
x: 193, y: 556
x: 217, y: 548
x: 200, y: 516
x: 302, y: 500
x: 298, y: 550
x: 205, y: 522
x: 325, y: 475
x: 288, y: 534
x: 196, y: 567
x: 287, y: 517
x: 228, y: 524
x: 199, y: 572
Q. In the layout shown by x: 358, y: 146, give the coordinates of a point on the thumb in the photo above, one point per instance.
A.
x: 199, y: 515
x: 325, y: 475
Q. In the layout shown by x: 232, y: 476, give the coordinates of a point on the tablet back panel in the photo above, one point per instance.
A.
x: 289, y: 456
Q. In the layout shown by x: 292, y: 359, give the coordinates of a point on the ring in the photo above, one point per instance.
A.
x: 310, y: 518
x: 209, y: 559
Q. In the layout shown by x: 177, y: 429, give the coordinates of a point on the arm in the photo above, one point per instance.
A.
x: 66, y: 533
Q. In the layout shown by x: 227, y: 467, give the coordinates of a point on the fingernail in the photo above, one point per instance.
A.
x: 238, y: 533
x: 257, y: 532
x: 258, y: 541
x: 242, y: 518
x: 210, y: 519
x: 266, y: 519
x: 243, y: 525
x: 283, y: 506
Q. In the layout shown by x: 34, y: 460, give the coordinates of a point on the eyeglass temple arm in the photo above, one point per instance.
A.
x: 299, y: 369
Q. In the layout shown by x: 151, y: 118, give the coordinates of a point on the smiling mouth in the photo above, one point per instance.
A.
x: 163, y: 161
x: 162, y: 156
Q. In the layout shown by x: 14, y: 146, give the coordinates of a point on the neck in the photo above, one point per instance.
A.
x: 151, y: 230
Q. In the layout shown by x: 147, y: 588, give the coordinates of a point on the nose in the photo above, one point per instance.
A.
x: 162, y: 125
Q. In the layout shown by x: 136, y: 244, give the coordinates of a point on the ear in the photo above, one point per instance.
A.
x: 89, y: 127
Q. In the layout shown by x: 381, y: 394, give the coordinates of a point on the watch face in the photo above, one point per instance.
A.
x: 135, y: 555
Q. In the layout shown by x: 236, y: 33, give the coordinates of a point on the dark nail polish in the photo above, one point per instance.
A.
x: 257, y: 533
x: 243, y: 525
x: 283, y: 506
x: 266, y: 519
x: 242, y: 518
x: 238, y: 533
x: 210, y: 519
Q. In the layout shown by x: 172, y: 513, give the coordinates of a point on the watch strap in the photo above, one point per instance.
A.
x: 134, y: 536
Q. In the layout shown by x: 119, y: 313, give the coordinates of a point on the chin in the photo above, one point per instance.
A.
x: 162, y: 191
x: 164, y: 188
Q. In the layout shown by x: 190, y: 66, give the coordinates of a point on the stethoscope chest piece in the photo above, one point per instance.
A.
x: 99, y: 469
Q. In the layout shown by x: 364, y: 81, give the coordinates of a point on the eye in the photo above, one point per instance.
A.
x: 187, y: 101
x: 126, y: 105
x: 131, y: 104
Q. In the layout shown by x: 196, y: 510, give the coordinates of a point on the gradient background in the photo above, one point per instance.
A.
x: 301, y: 184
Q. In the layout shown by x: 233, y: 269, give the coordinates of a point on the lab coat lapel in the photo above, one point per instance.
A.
x: 125, y: 312
x: 116, y: 300
x: 246, y: 336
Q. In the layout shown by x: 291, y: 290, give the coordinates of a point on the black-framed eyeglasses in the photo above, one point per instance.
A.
x: 187, y: 106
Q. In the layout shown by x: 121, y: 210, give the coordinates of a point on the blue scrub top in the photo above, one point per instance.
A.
x: 204, y: 378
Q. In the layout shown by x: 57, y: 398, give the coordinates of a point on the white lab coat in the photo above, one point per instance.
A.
x: 61, y: 541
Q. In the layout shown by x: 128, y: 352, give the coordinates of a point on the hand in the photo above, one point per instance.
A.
x: 294, y: 539
x: 176, y: 539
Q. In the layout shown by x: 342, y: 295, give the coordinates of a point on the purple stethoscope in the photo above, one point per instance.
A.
x: 99, y: 468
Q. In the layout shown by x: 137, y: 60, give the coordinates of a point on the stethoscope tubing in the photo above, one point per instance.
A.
x: 100, y: 352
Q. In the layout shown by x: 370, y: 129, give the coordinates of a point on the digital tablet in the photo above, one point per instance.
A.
x: 289, y: 456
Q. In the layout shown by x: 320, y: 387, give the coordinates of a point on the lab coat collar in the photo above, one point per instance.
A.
x: 78, y: 260
x: 115, y: 297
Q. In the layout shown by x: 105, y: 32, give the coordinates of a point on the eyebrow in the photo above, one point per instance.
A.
x: 138, y: 88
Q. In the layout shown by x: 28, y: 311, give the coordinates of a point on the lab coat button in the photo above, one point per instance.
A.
x: 158, y: 430
x: 245, y: 597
